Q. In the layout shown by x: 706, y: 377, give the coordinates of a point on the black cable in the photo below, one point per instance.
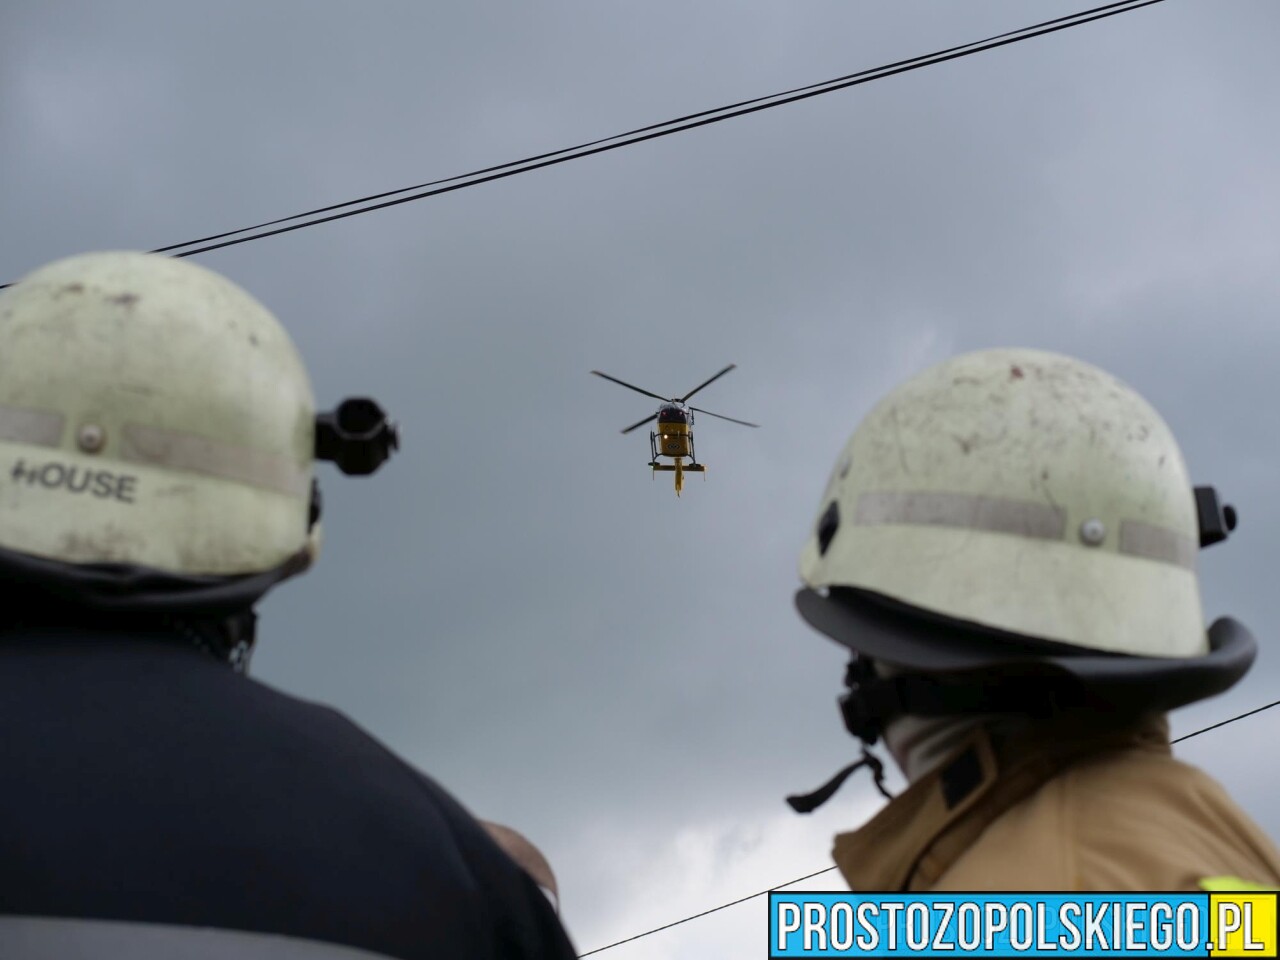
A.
x: 722, y: 906
x: 875, y: 74
x: 1223, y: 723
x: 619, y: 136
x: 734, y: 903
x: 653, y: 131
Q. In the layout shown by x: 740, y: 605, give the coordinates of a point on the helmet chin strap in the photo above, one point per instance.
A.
x: 808, y: 802
x: 862, y: 725
x: 874, y: 700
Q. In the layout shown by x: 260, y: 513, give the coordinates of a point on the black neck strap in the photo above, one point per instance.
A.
x: 808, y: 802
x: 873, y: 701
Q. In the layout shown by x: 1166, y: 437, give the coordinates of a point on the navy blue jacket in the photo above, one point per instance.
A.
x: 141, y: 780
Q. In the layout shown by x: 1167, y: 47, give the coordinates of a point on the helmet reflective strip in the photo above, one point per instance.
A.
x: 1140, y: 539
x: 41, y: 428
x: 215, y: 458
x: 997, y: 514
x: 1023, y: 518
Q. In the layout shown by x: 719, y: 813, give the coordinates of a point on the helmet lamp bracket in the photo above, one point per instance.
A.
x: 1217, y: 519
x: 357, y: 436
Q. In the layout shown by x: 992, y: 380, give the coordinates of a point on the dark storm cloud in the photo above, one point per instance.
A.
x: 513, y: 603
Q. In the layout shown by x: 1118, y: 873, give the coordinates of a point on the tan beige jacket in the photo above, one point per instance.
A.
x: 1068, y: 810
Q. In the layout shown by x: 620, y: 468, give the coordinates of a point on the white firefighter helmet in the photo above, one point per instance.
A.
x: 1017, y: 505
x: 152, y: 415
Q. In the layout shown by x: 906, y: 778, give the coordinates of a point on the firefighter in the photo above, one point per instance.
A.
x: 1007, y: 546
x: 157, y: 441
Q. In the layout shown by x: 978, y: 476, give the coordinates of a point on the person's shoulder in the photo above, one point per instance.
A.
x: 343, y: 740
x: 1143, y: 780
x: 430, y: 817
x: 518, y: 895
x: 1146, y: 820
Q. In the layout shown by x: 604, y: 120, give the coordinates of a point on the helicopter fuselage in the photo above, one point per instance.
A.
x: 673, y: 436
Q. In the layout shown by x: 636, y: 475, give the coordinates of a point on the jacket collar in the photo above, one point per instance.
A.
x: 916, y: 838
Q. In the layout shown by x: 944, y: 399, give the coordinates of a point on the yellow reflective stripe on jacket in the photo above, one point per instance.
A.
x: 1230, y: 885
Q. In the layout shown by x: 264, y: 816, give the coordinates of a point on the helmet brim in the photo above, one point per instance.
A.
x: 917, y: 640
x: 121, y: 588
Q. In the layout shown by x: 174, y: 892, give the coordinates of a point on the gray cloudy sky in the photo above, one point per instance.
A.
x: 512, y: 604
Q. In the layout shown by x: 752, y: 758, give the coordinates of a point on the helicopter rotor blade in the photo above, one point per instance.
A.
x: 723, y: 417
x: 629, y: 386
x: 707, y: 383
x: 635, y: 426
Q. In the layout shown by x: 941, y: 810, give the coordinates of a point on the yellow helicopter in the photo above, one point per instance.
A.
x: 674, y: 437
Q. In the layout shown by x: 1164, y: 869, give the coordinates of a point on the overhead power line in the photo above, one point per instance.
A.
x: 639, y: 135
x: 817, y: 873
x: 723, y: 906
x: 676, y: 125
x: 1223, y: 723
